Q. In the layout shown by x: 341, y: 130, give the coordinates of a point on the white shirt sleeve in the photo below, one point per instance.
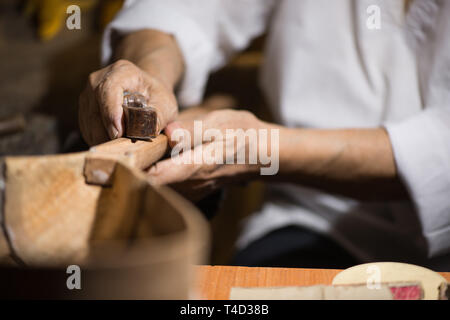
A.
x: 421, y: 144
x: 421, y: 147
x: 208, y: 32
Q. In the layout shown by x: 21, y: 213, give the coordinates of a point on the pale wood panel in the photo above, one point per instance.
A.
x: 215, y: 282
x: 48, y: 207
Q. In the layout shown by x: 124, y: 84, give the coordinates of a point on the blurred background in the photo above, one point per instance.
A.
x: 43, y: 68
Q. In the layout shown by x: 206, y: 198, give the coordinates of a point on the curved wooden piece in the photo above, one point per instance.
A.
x: 132, y: 241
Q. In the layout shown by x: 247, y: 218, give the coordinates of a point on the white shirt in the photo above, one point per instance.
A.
x: 324, y: 68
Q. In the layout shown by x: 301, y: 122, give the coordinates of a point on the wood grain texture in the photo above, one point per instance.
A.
x: 101, y: 160
x: 215, y: 282
x: 132, y: 241
x: 48, y: 207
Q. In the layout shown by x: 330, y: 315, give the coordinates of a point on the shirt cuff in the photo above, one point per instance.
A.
x: 422, y: 153
x: 197, y: 49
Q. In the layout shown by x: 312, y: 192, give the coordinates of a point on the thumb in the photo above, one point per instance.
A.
x: 188, y: 133
x: 110, y: 101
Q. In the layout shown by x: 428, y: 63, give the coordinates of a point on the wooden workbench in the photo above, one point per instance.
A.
x: 215, y: 282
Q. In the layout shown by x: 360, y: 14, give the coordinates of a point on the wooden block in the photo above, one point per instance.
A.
x: 141, y: 120
x: 101, y: 160
x: 132, y: 241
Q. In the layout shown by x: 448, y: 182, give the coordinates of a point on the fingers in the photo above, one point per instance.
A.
x: 163, y: 100
x: 196, y: 190
x: 184, y: 179
x: 190, y: 133
x: 181, y: 167
x: 172, y: 170
x: 170, y: 132
x: 201, y: 149
x: 109, y: 97
x: 90, y: 121
x: 181, y: 133
x: 107, y: 88
x: 206, y: 127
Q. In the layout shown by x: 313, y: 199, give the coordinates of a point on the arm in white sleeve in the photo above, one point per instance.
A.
x: 208, y: 32
x: 421, y: 144
x: 421, y: 147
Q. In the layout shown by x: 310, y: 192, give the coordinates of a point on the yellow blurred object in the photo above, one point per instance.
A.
x: 50, y: 18
x: 109, y: 11
x: 52, y: 14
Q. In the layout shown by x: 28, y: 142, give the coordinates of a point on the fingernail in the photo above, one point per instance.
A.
x: 152, y: 170
x: 171, y: 127
x: 113, y: 132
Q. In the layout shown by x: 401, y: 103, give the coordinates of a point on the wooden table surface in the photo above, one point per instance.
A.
x: 215, y: 282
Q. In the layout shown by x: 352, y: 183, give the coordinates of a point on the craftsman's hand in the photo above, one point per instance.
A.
x: 196, y: 171
x: 100, y: 110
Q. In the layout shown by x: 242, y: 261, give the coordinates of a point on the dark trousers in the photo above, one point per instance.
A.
x: 294, y: 247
